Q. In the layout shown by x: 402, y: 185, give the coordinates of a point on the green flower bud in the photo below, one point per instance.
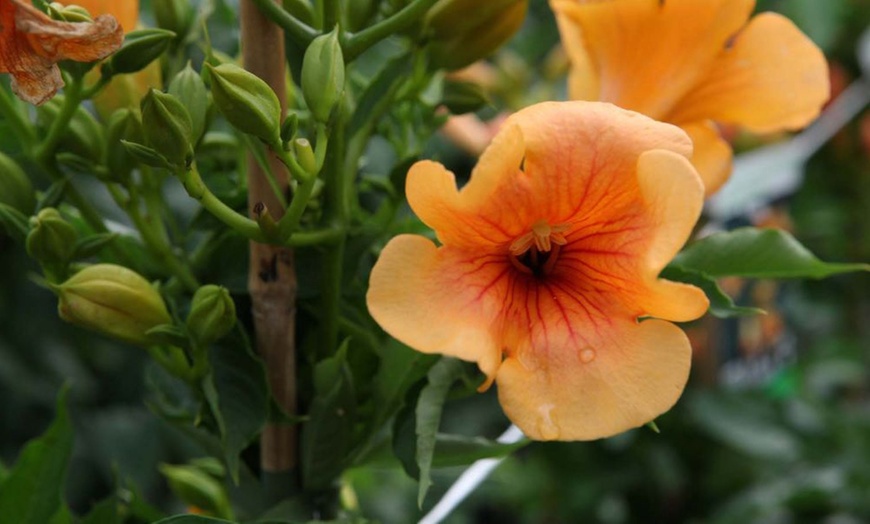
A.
x: 246, y: 101
x: 16, y: 190
x: 212, y: 314
x: 114, y: 301
x: 167, y: 127
x: 305, y: 155
x: 197, y: 488
x: 188, y: 87
x: 323, y: 75
x: 463, y: 97
x: 140, y: 48
x: 173, y: 15
x: 465, y: 31
x: 123, y: 125
x: 51, y: 240
x: 289, y: 127
x: 69, y: 13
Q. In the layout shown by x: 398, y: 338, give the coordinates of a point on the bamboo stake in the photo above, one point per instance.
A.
x: 271, y: 276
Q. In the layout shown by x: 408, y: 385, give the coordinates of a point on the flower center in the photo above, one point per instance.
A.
x: 536, y: 251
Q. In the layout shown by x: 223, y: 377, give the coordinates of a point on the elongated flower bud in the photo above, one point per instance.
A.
x: 123, y: 125
x: 15, y: 188
x: 247, y: 102
x: 323, y: 75
x: 51, y: 240
x: 188, y: 87
x: 114, y: 301
x: 212, y: 314
x: 140, y: 48
x: 465, y: 31
x: 167, y: 127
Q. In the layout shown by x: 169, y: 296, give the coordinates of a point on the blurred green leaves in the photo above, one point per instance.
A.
x: 33, y: 490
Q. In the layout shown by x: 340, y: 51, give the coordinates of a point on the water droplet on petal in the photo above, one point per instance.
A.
x: 587, y: 355
x: 547, y: 427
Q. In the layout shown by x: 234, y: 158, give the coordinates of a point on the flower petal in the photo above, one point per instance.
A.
x: 649, y: 53
x: 674, y: 196
x: 31, y: 43
x: 772, y: 78
x: 599, y: 386
x: 712, y: 156
x: 438, y: 300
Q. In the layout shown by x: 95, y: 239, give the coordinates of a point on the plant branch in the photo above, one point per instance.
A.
x: 299, y: 31
x: 357, y: 44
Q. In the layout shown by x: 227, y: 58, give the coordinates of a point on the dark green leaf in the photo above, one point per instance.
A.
x: 400, y: 368
x: 33, y: 492
x: 91, y: 245
x: 432, y: 397
x: 14, y: 222
x: 721, y: 304
x: 103, y: 512
x: 378, y: 96
x: 757, y: 253
x: 242, y: 400
x: 327, y: 436
x: 459, y: 450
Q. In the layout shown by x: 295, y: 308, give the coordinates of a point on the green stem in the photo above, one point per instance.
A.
x: 298, y: 172
x: 258, y: 154
x: 18, y: 122
x: 300, y: 32
x: 316, y: 238
x: 154, y: 237
x: 360, y: 42
x: 290, y: 221
x: 196, y: 188
x: 337, y: 214
x: 71, y: 101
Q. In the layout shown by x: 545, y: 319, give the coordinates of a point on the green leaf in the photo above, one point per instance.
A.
x: 104, y: 512
x: 429, y: 406
x: 459, y: 450
x: 400, y: 368
x: 33, y: 492
x: 240, y: 400
x: 328, y: 435
x: 379, y: 94
x: 14, y: 222
x: 757, y: 253
x: 721, y: 304
x: 92, y: 244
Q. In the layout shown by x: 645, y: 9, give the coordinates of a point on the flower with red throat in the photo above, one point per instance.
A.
x: 547, y: 271
x: 31, y: 44
x: 693, y: 62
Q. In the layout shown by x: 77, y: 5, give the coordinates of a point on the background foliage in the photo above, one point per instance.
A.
x: 775, y: 426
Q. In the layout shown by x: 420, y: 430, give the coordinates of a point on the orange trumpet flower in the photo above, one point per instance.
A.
x: 693, y: 62
x: 31, y: 44
x: 547, y: 272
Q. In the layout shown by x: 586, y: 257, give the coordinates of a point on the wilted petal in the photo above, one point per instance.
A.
x: 31, y: 43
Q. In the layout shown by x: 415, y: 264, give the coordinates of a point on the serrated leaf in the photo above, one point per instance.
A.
x: 757, y: 253
x: 327, y: 436
x: 33, y: 491
x: 103, y: 512
x: 721, y: 305
x: 14, y: 222
x: 428, y: 413
x: 92, y: 244
x: 400, y: 368
x: 240, y: 400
